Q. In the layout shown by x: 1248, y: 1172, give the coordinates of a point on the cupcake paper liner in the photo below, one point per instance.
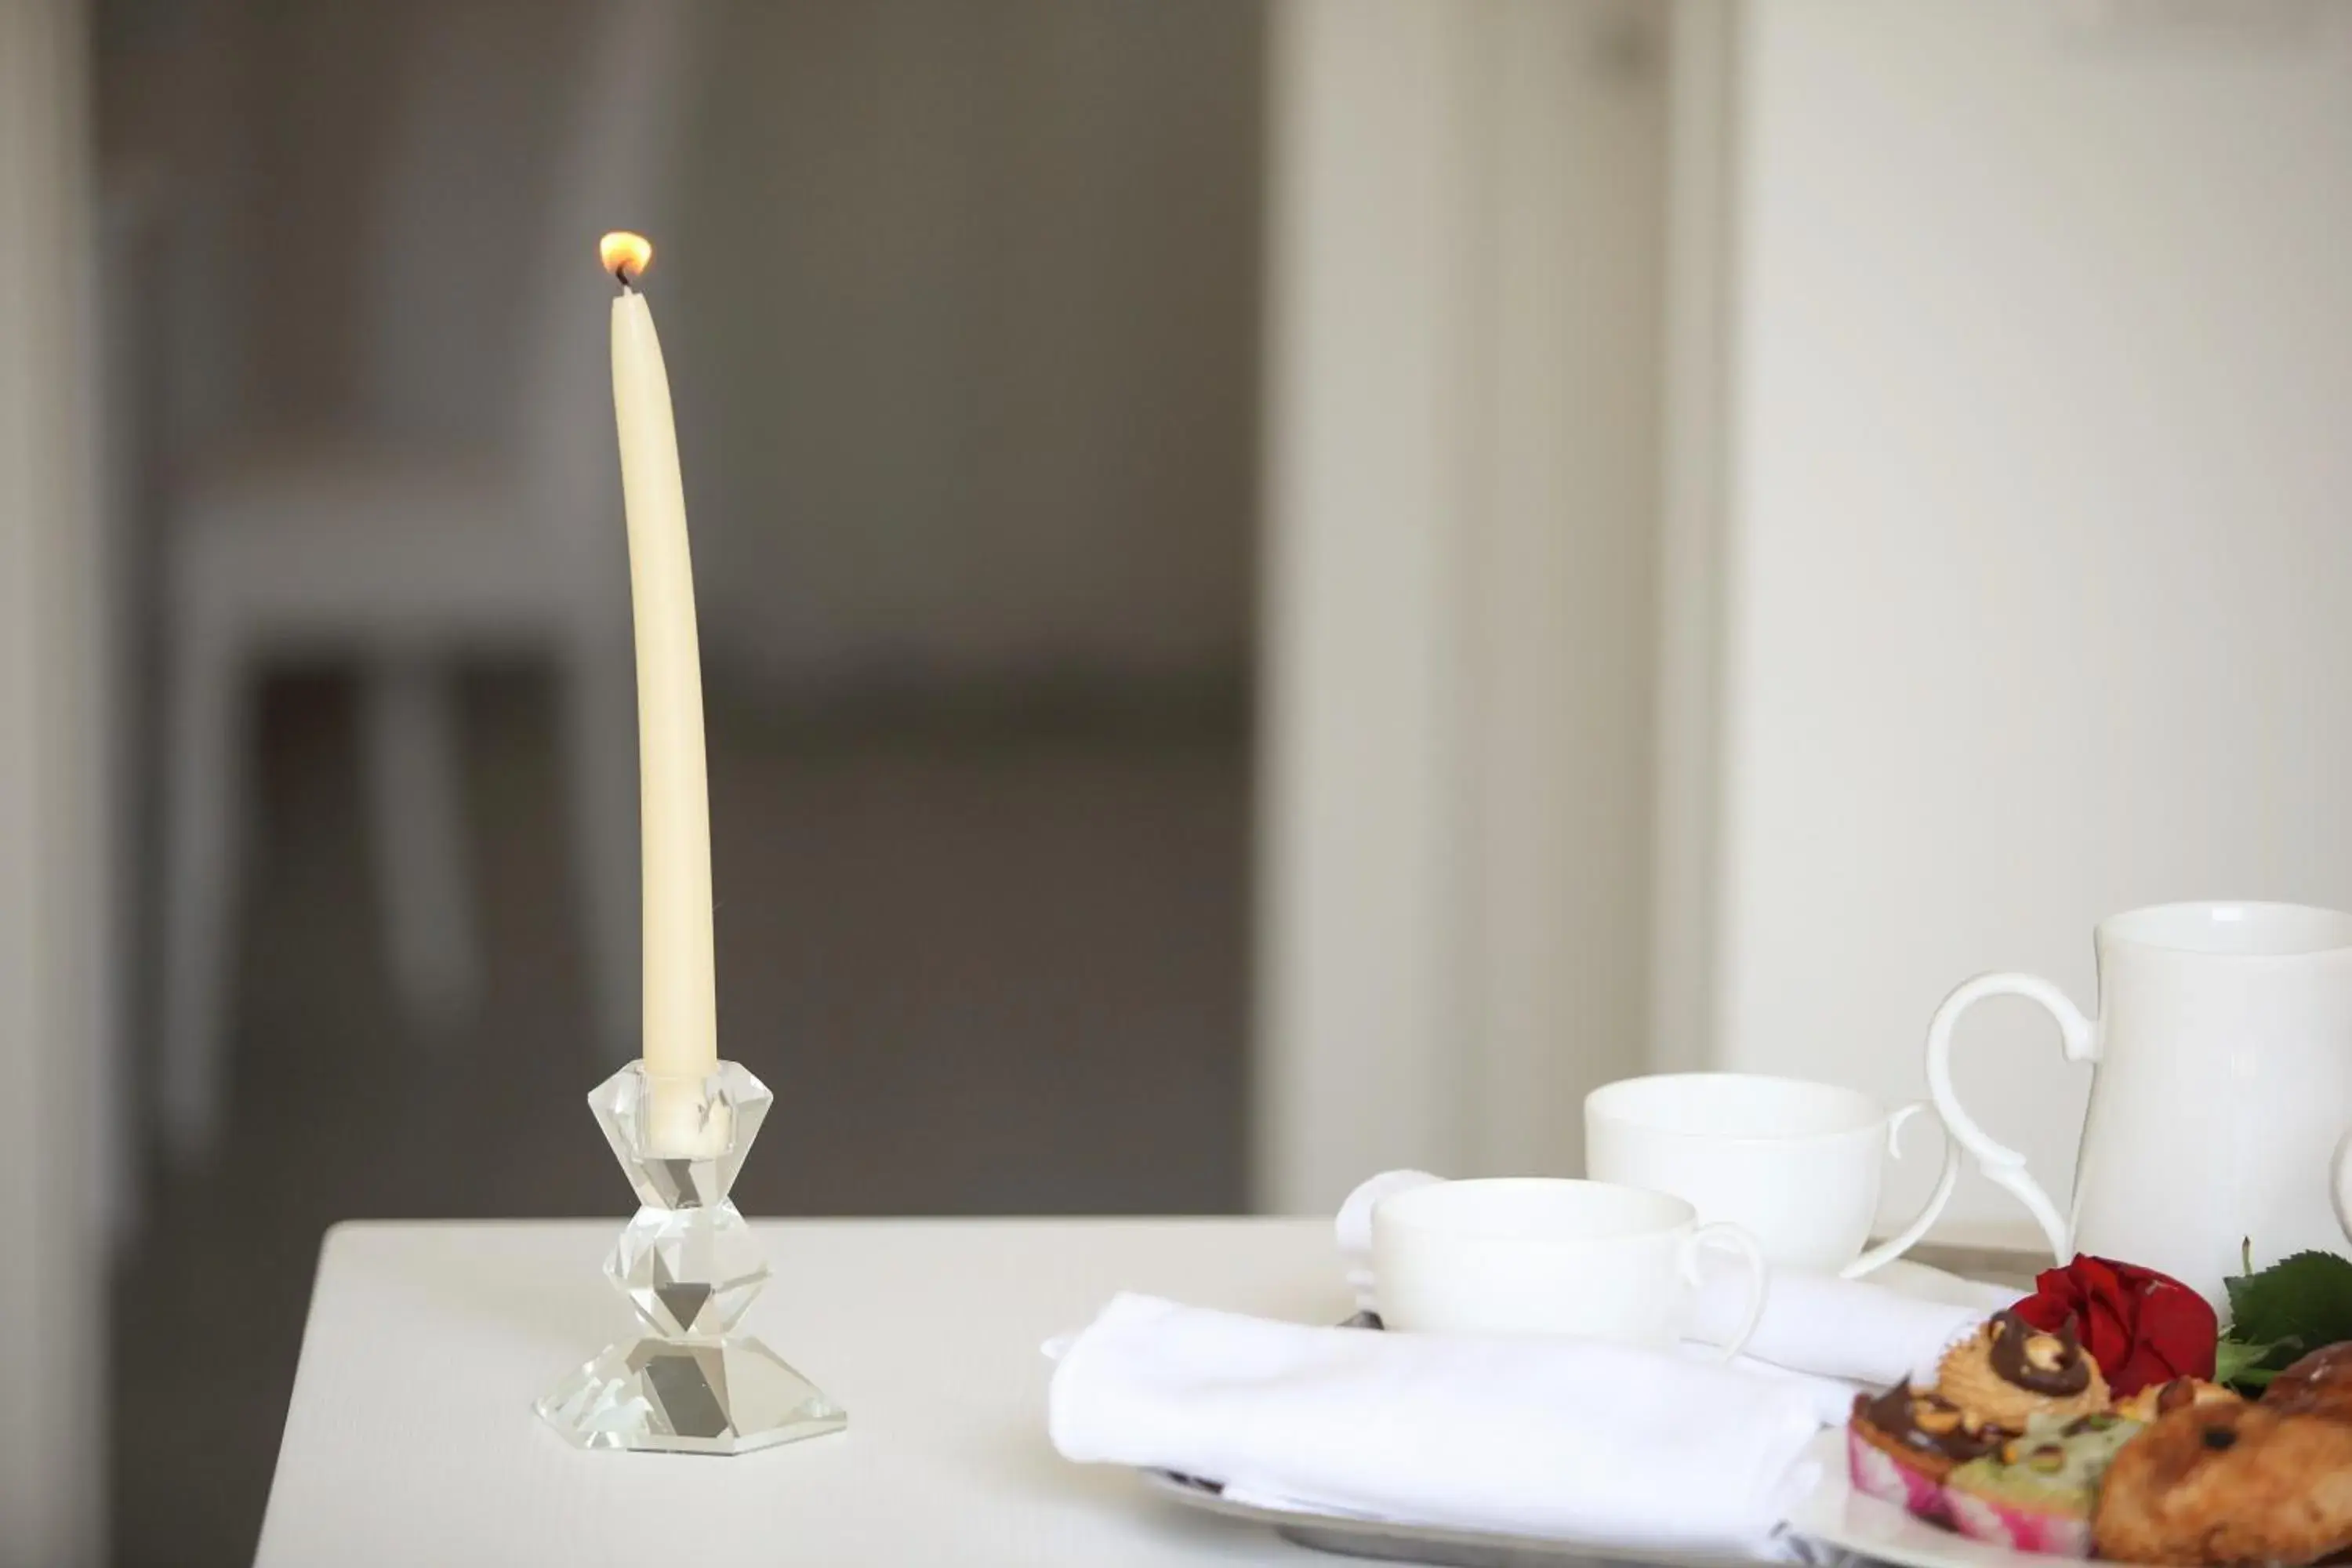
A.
x: 1998, y: 1523
x: 1877, y: 1473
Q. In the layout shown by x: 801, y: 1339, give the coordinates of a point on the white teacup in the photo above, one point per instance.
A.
x: 1540, y: 1256
x: 1797, y: 1164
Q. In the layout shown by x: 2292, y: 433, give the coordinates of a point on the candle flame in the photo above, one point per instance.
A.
x: 626, y: 255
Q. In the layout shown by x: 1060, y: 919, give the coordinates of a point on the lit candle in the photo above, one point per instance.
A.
x: 681, y: 1032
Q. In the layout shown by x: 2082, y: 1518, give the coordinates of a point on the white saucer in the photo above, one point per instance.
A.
x: 1931, y: 1284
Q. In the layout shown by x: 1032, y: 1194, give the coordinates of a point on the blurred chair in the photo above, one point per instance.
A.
x: 409, y: 548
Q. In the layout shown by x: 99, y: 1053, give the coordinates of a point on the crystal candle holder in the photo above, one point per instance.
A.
x: 689, y: 1267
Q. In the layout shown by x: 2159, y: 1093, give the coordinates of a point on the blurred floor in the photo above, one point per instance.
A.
x: 990, y: 956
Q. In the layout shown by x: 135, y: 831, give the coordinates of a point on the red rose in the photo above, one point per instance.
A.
x: 2140, y: 1326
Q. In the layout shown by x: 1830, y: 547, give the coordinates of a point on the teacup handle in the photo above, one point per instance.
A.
x: 2004, y: 1165
x: 1722, y: 1233
x: 1887, y: 1251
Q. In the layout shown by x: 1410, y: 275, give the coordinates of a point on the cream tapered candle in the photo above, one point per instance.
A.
x: 681, y: 1038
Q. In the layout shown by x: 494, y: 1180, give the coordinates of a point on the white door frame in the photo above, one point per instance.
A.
x: 1701, y: 250
x: 54, y: 883
x: 1459, y: 736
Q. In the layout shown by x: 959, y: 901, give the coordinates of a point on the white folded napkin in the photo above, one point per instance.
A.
x: 1564, y: 1438
x: 1848, y: 1330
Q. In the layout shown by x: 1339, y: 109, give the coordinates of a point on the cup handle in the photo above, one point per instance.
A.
x: 1887, y: 1251
x: 2004, y: 1165
x: 1722, y: 1233
x: 2341, y: 1169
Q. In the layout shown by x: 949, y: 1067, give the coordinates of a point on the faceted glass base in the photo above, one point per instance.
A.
x: 689, y: 1267
x: 689, y: 1396
x: 688, y: 1272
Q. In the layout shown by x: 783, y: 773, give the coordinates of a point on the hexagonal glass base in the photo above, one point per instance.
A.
x: 689, y: 1396
x: 688, y: 1267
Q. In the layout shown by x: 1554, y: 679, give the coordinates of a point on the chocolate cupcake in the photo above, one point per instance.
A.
x: 2009, y: 1371
x: 1902, y: 1444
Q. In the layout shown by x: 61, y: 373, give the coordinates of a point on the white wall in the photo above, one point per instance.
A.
x: 2039, y: 584
x: 1465, y: 214
x: 52, y: 795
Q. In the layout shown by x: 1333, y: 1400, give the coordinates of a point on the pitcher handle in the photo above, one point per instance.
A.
x: 2342, y: 1172
x: 2004, y: 1165
x: 1903, y: 1241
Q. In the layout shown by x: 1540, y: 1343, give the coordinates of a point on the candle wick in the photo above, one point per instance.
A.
x: 620, y: 276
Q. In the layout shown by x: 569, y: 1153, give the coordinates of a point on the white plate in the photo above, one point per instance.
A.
x: 1836, y: 1515
x: 1431, y: 1545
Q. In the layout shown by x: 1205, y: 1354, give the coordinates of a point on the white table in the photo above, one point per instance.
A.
x: 412, y: 1439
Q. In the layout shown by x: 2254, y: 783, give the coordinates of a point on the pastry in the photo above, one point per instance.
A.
x: 2009, y: 1371
x: 2036, y: 1493
x: 2226, y: 1484
x: 2318, y: 1384
x: 1901, y: 1444
x: 2162, y: 1398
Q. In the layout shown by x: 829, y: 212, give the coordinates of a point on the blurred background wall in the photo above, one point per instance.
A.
x: 961, y: 304
x: 1285, y: 588
x: 2036, y: 581
x: 922, y: 256
x: 1463, y: 372
x: 978, y: 307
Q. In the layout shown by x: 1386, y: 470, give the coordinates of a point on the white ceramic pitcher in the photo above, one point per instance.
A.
x: 2222, y: 1095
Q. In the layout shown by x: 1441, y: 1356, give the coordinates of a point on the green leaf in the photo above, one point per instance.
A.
x: 2237, y: 1363
x: 2305, y: 1298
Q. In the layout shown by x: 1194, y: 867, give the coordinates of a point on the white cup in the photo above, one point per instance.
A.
x: 1540, y: 1256
x: 1797, y: 1164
